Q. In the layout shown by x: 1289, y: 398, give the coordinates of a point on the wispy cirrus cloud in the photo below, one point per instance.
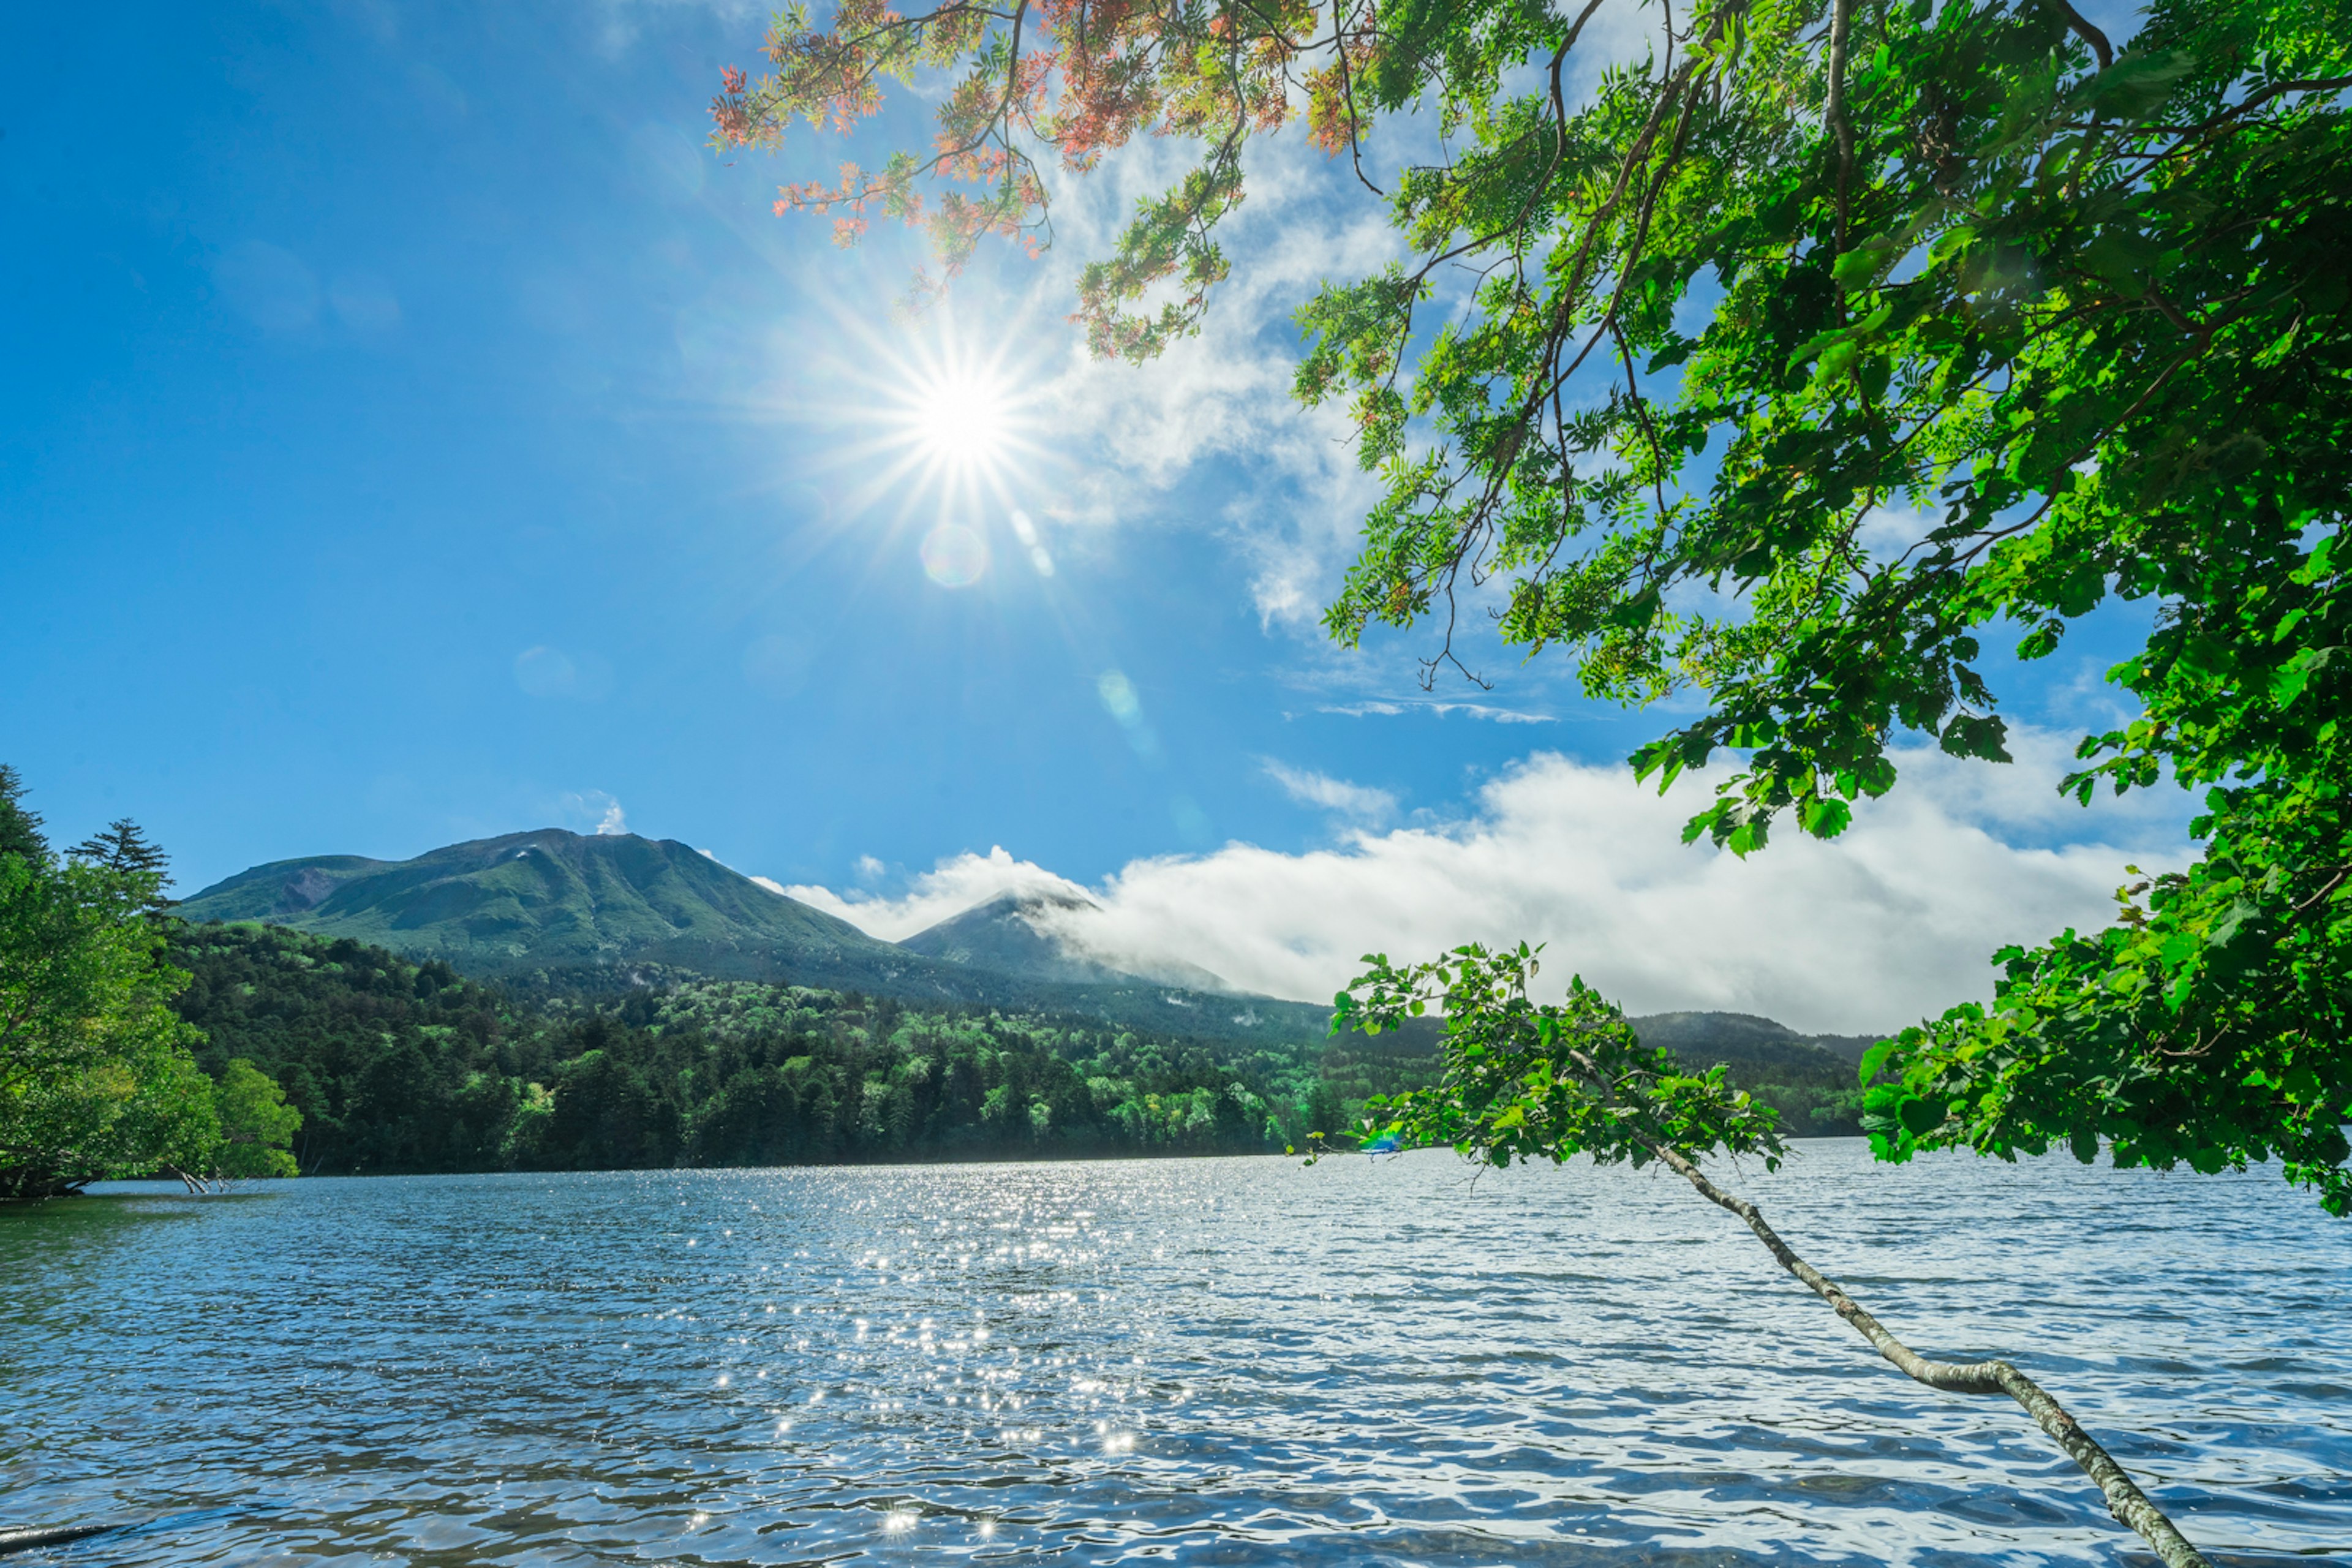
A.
x: 1327, y: 793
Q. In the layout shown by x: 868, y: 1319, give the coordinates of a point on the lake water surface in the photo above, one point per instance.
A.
x: 1202, y: 1362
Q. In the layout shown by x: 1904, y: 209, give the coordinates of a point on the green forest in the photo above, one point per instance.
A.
x: 401, y: 1067
x: 405, y: 1067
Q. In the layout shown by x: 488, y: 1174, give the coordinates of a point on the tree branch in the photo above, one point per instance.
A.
x: 2125, y: 1502
x: 1834, y: 112
x: 2088, y: 33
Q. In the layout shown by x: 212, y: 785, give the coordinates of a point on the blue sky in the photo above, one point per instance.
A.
x: 412, y: 432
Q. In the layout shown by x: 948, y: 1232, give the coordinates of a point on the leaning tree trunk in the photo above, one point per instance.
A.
x: 2124, y: 1500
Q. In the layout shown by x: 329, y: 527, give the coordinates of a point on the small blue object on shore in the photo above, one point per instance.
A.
x: 1386, y: 1143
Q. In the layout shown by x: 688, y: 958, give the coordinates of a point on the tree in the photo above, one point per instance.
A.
x: 1906, y: 324
x: 96, y: 1077
x: 20, y: 830
x: 125, y: 848
x: 1526, y: 1081
x: 256, y: 1125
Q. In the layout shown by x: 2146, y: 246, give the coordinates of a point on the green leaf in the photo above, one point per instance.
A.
x: 1826, y: 818
x: 1874, y: 1060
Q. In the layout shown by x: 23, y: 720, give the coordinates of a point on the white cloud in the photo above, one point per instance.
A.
x: 950, y: 889
x: 1890, y: 922
x: 1887, y: 532
x: 1322, y: 791
x: 1224, y: 397
x: 771, y: 885
x: 597, y: 806
x: 1220, y: 404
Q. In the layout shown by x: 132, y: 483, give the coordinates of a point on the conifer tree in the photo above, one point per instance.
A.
x: 125, y: 849
x: 20, y: 830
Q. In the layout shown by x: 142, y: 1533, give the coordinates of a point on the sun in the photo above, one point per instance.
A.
x: 959, y: 418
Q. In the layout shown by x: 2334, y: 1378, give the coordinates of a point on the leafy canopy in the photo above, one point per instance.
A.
x: 1810, y: 349
x: 1528, y: 1080
x: 96, y: 1078
x: 256, y: 1125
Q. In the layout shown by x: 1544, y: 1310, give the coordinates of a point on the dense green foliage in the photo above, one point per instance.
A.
x: 399, y: 1066
x: 256, y: 1125
x: 20, y: 825
x: 96, y: 1076
x: 1918, y: 324
x: 1523, y: 1079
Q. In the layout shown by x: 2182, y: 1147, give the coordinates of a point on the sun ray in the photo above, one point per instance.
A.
x: 926, y: 428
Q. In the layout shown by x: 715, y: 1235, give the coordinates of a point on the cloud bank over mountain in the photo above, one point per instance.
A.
x: 1891, y: 922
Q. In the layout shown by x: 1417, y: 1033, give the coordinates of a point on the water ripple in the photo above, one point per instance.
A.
x: 1209, y: 1362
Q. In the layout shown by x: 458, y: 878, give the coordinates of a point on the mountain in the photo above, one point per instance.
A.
x: 1757, y: 1050
x: 1040, y: 935
x: 1809, y: 1081
x: 1012, y: 934
x: 553, y: 899
x: 565, y: 911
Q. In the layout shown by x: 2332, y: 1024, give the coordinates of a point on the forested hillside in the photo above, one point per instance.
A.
x: 399, y: 1066
x: 402, y: 1067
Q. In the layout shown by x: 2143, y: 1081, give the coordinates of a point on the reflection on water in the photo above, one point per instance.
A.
x: 1208, y: 1362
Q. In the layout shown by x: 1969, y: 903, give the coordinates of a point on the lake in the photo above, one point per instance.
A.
x: 1199, y: 1361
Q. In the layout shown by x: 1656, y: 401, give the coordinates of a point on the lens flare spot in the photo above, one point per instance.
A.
x: 1119, y: 696
x: 1027, y: 533
x: 954, y: 556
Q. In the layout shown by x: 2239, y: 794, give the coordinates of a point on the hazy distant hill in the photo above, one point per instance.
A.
x: 1745, y: 1039
x: 1026, y: 934
x: 1810, y: 1080
x: 561, y: 910
x: 1008, y: 934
